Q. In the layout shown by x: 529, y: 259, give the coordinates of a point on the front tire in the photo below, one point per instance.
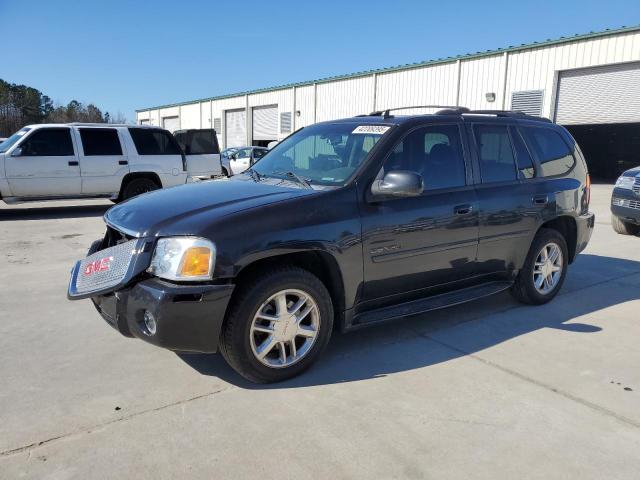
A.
x: 278, y: 325
x: 622, y: 227
x: 544, y: 270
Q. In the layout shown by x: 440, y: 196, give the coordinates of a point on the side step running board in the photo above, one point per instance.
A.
x: 428, y: 304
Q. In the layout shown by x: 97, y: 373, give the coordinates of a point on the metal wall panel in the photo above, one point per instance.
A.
x: 479, y: 77
x: 344, y: 98
x: 433, y: 85
x: 608, y: 94
x: 190, y: 116
x: 304, y: 105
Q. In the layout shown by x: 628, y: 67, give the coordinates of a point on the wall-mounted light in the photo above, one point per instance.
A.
x: 490, y: 96
x: 297, y: 113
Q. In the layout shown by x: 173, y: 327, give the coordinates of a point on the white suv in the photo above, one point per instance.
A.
x: 54, y: 161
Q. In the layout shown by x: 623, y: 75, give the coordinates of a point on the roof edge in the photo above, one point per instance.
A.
x: 408, y: 66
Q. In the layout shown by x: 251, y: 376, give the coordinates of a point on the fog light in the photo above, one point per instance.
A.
x: 149, y: 322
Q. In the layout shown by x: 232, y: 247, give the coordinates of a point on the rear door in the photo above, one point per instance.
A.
x: 47, y: 165
x: 158, y: 152
x: 511, y: 198
x: 103, y: 161
x: 202, y: 151
x: 411, y: 244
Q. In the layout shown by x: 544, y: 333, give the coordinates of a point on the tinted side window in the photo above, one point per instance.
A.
x: 553, y: 153
x: 203, y: 142
x: 100, y: 141
x: 435, y: 152
x: 497, y: 163
x: 48, y: 142
x: 154, y: 142
x: 526, y: 168
x: 181, y: 138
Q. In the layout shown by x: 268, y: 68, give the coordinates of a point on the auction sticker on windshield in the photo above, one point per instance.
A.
x: 371, y: 129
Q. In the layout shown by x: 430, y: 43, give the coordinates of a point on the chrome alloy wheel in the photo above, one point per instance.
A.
x: 284, y: 328
x: 547, y: 269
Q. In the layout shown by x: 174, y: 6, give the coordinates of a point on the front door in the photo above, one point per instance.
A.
x: 102, y: 160
x: 46, y: 166
x: 241, y: 160
x: 411, y: 244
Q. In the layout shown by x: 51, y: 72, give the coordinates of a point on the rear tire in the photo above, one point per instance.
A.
x: 544, y: 269
x: 267, y: 341
x: 622, y: 227
x: 138, y: 186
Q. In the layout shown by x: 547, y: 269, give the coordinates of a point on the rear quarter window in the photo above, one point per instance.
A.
x: 553, y: 153
x: 154, y: 142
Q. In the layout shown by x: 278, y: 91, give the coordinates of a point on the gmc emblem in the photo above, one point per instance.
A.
x: 100, y: 265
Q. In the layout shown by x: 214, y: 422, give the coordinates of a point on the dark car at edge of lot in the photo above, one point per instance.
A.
x: 344, y: 224
x: 625, y: 203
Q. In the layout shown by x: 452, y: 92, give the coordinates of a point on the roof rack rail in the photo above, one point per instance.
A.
x: 508, y: 113
x: 448, y: 109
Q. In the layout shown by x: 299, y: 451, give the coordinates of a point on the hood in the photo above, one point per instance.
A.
x: 186, y: 209
x: 632, y: 172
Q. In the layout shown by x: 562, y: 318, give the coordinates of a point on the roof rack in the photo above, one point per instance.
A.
x: 508, y: 113
x: 447, y: 108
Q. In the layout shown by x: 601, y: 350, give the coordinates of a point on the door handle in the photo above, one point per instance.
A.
x: 540, y: 200
x: 73, y: 163
x: 463, y: 209
x: 123, y: 162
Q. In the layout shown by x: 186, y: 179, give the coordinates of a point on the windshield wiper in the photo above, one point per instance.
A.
x: 255, y: 176
x: 299, y: 179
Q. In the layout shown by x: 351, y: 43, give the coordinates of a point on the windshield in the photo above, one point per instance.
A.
x: 325, y: 154
x: 11, y: 141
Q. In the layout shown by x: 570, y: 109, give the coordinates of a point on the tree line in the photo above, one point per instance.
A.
x: 21, y: 105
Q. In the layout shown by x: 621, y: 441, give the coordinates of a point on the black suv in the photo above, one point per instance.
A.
x: 344, y: 224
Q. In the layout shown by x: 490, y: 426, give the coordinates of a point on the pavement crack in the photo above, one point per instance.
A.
x: 582, y: 401
x: 93, y: 428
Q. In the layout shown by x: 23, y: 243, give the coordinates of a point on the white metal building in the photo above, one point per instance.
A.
x: 589, y: 83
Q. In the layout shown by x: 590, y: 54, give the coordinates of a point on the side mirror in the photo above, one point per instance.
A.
x: 17, y: 152
x: 398, y: 183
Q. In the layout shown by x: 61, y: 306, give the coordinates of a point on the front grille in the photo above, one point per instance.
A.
x: 105, y: 268
x: 625, y: 202
x: 636, y: 186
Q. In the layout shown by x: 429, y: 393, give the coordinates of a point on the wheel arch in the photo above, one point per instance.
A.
x: 317, y: 262
x: 135, y: 175
x: 567, y: 227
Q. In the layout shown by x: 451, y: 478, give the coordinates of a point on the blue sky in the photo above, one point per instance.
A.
x: 123, y: 55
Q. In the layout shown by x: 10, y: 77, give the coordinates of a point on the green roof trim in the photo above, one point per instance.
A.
x: 409, y: 66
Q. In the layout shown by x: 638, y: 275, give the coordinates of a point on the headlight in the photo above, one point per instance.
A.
x: 625, y: 182
x: 183, y: 258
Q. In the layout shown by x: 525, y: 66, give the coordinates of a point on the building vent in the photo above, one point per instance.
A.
x: 529, y: 102
x: 217, y: 125
x: 285, y: 122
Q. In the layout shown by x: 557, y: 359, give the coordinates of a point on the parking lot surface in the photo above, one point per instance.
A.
x: 491, y: 389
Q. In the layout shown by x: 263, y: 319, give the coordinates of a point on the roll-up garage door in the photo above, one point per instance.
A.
x: 607, y: 94
x: 171, y: 123
x: 235, y: 128
x: 265, y: 123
